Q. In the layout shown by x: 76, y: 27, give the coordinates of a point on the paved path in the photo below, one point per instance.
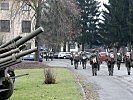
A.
x: 117, y: 87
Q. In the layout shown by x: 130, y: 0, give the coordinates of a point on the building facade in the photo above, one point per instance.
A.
x: 16, y: 18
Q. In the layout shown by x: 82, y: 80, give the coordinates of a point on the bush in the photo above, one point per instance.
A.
x: 49, y: 77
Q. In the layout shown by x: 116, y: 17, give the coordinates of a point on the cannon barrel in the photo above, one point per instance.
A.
x: 12, y: 51
x: 11, y: 54
x: 6, y: 49
x: 13, y: 40
x: 17, y: 56
x: 10, y: 63
x: 29, y: 36
x: 19, y: 41
x: 20, y: 75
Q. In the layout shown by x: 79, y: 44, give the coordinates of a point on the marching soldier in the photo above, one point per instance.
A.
x: 110, y: 62
x: 71, y: 58
x: 76, y: 60
x: 84, y: 59
x: 119, y: 59
x: 94, y: 63
x: 51, y: 55
x: 127, y: 59
x: 99, y: 60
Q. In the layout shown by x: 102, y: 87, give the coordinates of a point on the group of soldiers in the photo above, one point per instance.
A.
x: 95, y: 61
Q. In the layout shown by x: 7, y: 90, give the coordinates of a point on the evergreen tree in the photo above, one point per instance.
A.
x: 89, y: 21
x: 118, y: 20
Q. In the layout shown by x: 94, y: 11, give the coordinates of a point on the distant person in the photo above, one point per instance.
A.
x: 110, y: 62
x: 84, y: 59
x: 98, y: 59
x: 71, y: 58
x: 76, y: 60
x: 119, y: 59
x: 51, y: 55
x: 128, y: 62
x: 94, y: 63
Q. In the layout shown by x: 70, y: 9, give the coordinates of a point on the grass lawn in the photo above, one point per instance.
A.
x: 32, y: 88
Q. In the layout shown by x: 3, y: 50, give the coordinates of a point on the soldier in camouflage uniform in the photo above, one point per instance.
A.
x: 128, y: 62
x: 99, y: 60
x: 119, y: 59
x: 110, y: 62
x: 76, y: 60
x: 84, y: 59
x: 94, y: 63
x: 71, y: 58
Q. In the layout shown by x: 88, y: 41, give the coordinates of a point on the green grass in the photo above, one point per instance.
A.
x: 32, y: 88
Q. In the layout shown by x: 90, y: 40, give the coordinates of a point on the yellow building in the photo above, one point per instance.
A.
x: 16, y: 18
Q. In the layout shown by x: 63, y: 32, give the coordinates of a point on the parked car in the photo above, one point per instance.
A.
x: 31, y: 57
x: 103, y: 55
x: 64, y: 55
x: 56, y: 55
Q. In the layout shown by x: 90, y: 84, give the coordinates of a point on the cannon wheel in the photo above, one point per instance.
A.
x: 9, y: 87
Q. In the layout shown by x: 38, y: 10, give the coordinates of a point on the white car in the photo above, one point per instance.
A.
x: 64, y: 55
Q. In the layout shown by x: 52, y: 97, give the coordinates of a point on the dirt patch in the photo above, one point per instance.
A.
x: 30, y: 65
x: 89, y: 91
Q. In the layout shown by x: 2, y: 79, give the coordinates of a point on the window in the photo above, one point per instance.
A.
x: 4, y: 5
x: 4, y: 25
x: 26, y: 6
x: 26, y: 26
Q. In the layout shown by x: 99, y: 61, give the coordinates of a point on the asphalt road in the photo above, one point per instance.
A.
x: 117, y: 87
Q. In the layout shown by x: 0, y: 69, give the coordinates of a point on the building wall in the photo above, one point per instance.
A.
x: 15, y: 14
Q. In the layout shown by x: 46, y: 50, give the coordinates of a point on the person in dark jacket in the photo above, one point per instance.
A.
x: 94, y: 63
x: 128, y: 62
x: 71, y: 58
x: 110, y: 62
x: 84, y: 59
x: 119, y: 59
x: 76, y: 60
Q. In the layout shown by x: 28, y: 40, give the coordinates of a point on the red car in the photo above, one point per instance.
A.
x: 103, y: 55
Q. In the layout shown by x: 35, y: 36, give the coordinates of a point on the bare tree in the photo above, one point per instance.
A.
x: 58, y: 17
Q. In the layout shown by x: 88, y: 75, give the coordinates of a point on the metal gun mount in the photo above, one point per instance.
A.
x: 10, y: 54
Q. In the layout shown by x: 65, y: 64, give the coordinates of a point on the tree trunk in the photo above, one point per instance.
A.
x: 38, y: 24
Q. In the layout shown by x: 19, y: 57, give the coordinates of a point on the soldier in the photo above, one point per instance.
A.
x: 119, y: 59
x: 51, y: 55
x: 84, y: 59
x: 127, y: 59
x: 110, y: 62
x: 76, y: 60
x: 94, y: 63
x: 99, y: 60
x: 71, y: 58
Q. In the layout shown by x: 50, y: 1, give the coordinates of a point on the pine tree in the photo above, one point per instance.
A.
x: 89, y: 21
x: 118, y: 20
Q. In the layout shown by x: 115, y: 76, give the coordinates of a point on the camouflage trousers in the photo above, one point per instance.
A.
x: 76, y: 64
x: 111, y: 69
x: 94, y: 69
x: 84, y: 64
x: 128, y: 68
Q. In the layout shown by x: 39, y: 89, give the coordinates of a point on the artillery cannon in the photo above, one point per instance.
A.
x: 10, y: 54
